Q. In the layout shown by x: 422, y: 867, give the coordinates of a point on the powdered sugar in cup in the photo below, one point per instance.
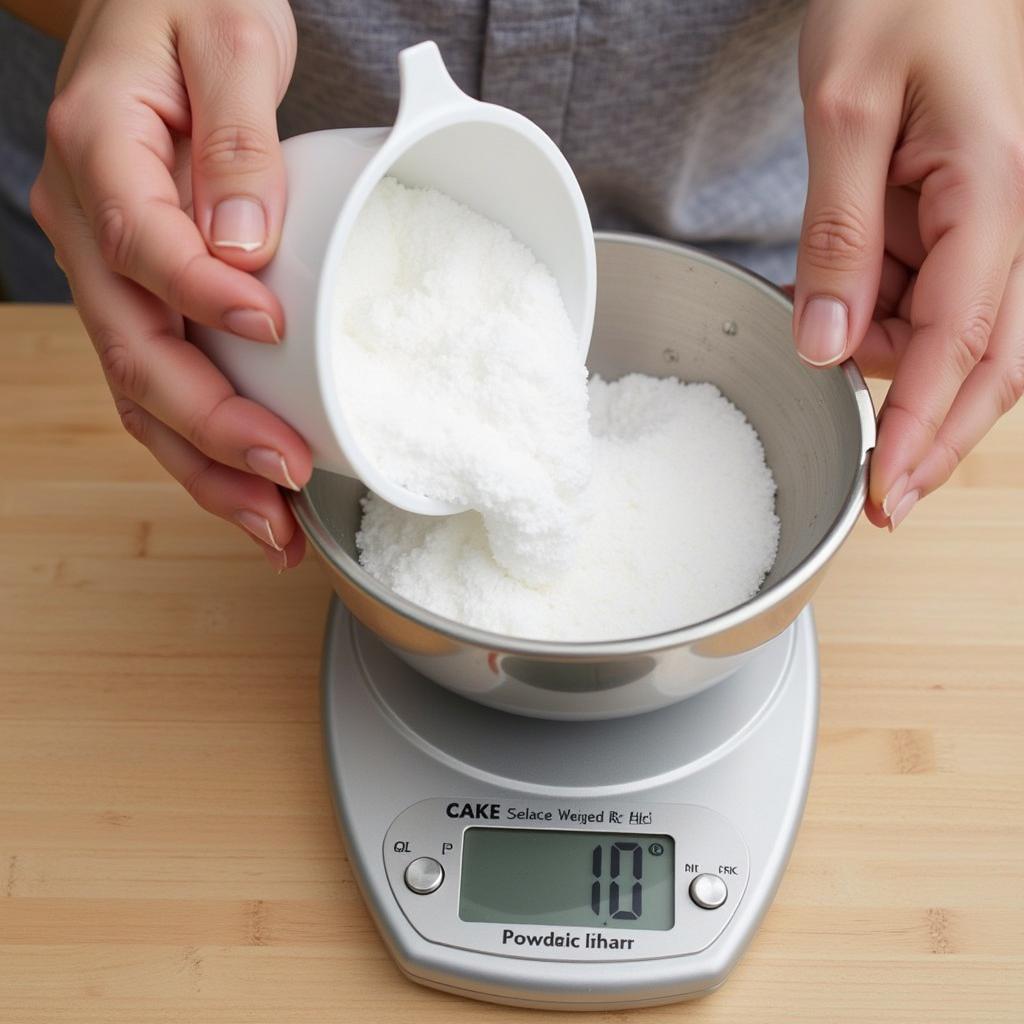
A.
x: 489, y: 158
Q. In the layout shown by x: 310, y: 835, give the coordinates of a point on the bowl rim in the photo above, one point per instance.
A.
x: 722, y: 622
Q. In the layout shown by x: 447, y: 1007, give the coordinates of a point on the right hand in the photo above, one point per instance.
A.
x: 161, y: 190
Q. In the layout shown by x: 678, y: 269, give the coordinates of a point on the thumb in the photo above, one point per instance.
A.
x: 235, y: 74
x: 842, y: 240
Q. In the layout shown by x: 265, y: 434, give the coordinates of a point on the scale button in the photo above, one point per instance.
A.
x: 423, y: 875
x: 708, y: 891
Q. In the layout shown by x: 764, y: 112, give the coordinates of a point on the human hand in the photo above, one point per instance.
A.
x: 911, y: 252
x: 161, y: 189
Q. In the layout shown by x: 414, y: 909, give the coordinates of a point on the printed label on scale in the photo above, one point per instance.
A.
x: 545, y: 879
x: 569, y: 815
x: 567, y: 940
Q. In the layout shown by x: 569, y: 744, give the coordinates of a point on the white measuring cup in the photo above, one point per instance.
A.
x: 492, y: 159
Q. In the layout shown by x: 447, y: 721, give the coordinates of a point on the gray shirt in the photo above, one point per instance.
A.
x: 681, y: 118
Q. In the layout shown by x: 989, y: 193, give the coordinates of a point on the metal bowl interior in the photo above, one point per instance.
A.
x: 667, y: 310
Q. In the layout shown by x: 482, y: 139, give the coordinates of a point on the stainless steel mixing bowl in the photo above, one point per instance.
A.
x: 664, y: 310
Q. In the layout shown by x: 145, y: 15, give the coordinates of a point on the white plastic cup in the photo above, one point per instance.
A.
x: 490, y: 158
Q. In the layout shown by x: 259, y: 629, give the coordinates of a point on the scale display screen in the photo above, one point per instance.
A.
x: 555, y: 877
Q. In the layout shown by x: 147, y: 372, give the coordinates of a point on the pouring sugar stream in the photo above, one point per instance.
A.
x: 460, y: 372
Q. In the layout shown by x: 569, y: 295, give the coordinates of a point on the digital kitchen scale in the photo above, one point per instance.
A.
x: 568, y: 864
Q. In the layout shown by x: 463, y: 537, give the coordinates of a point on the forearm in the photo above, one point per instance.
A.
x: 54, y: 17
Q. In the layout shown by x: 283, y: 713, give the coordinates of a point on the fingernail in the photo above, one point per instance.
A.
x: 821, y: 337
x: 253, y: 324
x: 278, y: 559
x: 902, y: 510
x: 270, y: 464
x: 257, y: 525
x: 892, y: 499
x: 239, y: 223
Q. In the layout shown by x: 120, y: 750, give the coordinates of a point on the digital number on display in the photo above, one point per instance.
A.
x: 548, y: 876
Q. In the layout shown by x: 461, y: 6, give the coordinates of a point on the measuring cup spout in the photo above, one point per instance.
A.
x: 426, y: 88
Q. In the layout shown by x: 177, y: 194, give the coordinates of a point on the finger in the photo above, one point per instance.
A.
x: 122, y: 179
x: 247, y: 501
x: 146, y: 361
x: 994, y: 386
x: 235, y: 80
x: 879, y: 352
x: 293, y: 551
x: 956, y: 296
x: 902, y: 229
x: 152, y: 370
x: 850, y: 139
x: 288, y: 558
x: 177, y: 383
x: 892, y: 285
x: 878, y: 355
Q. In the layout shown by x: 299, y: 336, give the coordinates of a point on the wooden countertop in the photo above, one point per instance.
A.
x: 167, y: 847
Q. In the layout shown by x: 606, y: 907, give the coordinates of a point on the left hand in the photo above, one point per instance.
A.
x: 162, y: 189
x: 911, y: 251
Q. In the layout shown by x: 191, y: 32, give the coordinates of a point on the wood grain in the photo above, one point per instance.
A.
x: 167, y: 848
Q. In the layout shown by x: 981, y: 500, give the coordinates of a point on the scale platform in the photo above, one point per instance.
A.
x: 561, y: 864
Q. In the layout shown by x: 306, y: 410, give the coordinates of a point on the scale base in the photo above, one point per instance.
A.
x: 740, y: 752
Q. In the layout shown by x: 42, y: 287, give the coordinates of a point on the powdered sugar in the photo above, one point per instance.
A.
x: 679, y: 525
x: 461, y: 374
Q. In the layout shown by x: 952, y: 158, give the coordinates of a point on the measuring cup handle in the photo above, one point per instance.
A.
x: 426, y: 86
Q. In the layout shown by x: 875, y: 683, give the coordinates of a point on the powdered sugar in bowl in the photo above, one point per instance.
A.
x: 666, y: 311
